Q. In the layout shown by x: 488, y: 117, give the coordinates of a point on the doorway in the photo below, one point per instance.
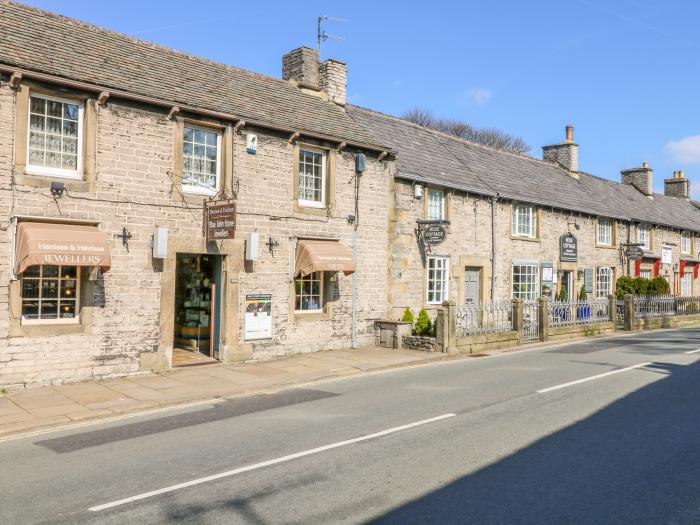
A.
x: 197, y: 308
x: 567, y: 283
x: 472, y: 285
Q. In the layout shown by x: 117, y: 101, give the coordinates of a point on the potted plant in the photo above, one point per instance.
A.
x: 584, y: 310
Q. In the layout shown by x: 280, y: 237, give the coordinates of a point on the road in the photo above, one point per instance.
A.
x: 595, y: 431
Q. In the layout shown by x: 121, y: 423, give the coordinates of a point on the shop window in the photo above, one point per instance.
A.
x: 436, y: 205
x: 643, y: 236
x: 605, y: 232
x: 604, y: 282
x: 312, y: 178
x: 309, y: 292
x: 438, y: 279
x: 524, y: 220
x: 525, y: 282
x: 685, y: 242
x: 55, y: 137
x: 201, y: 155
x: 50, y: 294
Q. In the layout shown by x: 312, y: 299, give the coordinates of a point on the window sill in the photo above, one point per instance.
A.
x: 49, y: 322
x: 40, y: 171
x: 78, y: 185
x: 314, y: 315
x: 47, y: 329
x: 524, y: 238
x: 606, y: 246
x: 310, y: 210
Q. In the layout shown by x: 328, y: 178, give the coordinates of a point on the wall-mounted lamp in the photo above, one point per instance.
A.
x: 57, y: 189
x: 574, y: 224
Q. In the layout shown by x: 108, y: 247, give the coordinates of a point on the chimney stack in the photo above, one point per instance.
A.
x: 678, y: 186
x: 640, y: 178
x: 565, y: 153
x: 330, y: 76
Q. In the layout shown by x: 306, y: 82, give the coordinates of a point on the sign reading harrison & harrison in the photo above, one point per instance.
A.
x: 220, y: 220
x: 568, y: 247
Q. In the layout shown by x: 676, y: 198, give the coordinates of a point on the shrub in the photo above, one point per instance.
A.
x: 640, y: 286
x: 583, y: 295
x: 407, y: 316
x: 659, y: 286
x: 624, y: 286
x: 563, y: 295
x: 423, y: 323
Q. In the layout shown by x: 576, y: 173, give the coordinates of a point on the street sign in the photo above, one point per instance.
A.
x: 634, y: 252
x: 220, y: 220
x: 434, y: 234
x: 568, y: 247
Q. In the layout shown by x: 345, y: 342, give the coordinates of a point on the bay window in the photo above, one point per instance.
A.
x: 438, y: 279
x: 524, y: 220
x: 605, y: 232
x: 50, y: 294
x: 525, y: 282
x: 201, y: 149
x: 54, y: 143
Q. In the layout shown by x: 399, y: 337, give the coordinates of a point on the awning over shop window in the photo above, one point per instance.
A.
x: 323, y: 256
x: 61, y: 244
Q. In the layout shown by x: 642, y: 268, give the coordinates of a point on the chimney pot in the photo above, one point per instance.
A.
x: 678, y: 186
x: 645, y: 164
x: 565, y: 153
x: 569, y: 133
x: 681, y: 175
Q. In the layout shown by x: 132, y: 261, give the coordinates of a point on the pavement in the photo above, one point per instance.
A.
x: 599, y: 430
x: 42, y: 408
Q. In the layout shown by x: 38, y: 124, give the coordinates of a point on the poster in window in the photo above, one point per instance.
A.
x: 547, y: 280
x: 258, y: 316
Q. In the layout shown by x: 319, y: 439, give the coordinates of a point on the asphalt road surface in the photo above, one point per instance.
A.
x: 598, y: 431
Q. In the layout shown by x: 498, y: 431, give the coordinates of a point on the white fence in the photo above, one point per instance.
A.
x: 489, y: 318
x: 570, y: 313
x: 654, y: 306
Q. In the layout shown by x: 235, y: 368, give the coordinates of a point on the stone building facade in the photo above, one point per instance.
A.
x: 294, y: 177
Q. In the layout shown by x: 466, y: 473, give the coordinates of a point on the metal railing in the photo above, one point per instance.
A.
x: 620, y: 308
x: 488, y: 318
x: 570, y: 313
x: 687, y: 305
x: 652, y: 306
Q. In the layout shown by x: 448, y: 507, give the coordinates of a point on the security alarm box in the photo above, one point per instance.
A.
x: 160, y: 242
x: 252, y: 246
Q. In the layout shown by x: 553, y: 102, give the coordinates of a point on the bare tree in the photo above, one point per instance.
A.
x: 492, y: 137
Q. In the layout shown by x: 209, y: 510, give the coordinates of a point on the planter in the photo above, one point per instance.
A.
x: 584, y: 312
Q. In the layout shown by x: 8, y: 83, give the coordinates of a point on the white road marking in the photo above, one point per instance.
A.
x: 268, y: 463
x: 693, y: 351
x: 591, y: 378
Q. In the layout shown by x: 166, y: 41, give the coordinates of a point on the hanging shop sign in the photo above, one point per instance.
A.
x: 568, y: 247
x: 434, y: 234
x: 634, y: 253
x: 220, y: 220
x: 666, y: 254
x: 258, y: 316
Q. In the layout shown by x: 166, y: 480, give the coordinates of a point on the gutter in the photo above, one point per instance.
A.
x: 85, y: 86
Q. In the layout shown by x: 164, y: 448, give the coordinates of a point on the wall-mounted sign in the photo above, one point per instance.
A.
x: 634, y: 253
x: 666, y: 254
x: 251, y: 143
x: 547, y: 279
x: 220, y: 220
x: 258, y: 316
x: 434, y: 234
x: 568, y: 247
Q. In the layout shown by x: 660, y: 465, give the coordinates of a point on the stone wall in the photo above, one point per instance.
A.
x: 420, y: 343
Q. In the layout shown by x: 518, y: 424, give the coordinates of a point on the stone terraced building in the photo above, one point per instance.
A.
x: 158, y: 206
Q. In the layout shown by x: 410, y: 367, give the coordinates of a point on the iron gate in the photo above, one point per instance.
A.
x: 620, y: 307
x: 530, y: 330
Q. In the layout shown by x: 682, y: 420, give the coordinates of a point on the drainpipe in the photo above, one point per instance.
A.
x: 494, y: 199
x: 354, y: 287
x: 629, y: 226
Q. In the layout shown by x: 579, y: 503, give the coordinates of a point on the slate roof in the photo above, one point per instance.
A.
x: 429, y: 156
x: 43, y: 42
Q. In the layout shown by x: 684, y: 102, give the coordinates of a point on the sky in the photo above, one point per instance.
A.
x: 623, y: 72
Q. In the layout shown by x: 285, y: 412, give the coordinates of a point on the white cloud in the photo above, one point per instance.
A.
x: 685, y: 150
x: 477, y: 96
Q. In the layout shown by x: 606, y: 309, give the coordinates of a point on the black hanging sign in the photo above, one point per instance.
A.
x: 434, y: 234
x: 634, y: 252
x: 568, y: 248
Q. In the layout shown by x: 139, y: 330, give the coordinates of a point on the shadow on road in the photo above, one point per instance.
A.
x: 635, y: 461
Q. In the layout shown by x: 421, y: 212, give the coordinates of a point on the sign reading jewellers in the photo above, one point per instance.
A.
x: 220, y: 220
x: 434, y: 234
x: 568, y: 248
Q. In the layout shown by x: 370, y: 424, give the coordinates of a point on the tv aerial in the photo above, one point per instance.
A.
x: 322, y: 35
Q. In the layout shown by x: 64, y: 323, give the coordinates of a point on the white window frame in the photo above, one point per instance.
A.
x: 604, y: 274
x: 605, y: 227
x: 686, y: 280
x: 535, y: 282
x: 645, y: 274
x: 193, y: 188
x: 59, y: 320
x: 321, y: 279
x: 46, y: 171
x: 441, y: 215
x: 686, y: 243
x: 445, y: 279
x: 324, y: 177
x: 530, y: 231
x: 644, y: 236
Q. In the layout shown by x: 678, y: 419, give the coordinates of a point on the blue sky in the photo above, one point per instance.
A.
x: 624, y: 72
